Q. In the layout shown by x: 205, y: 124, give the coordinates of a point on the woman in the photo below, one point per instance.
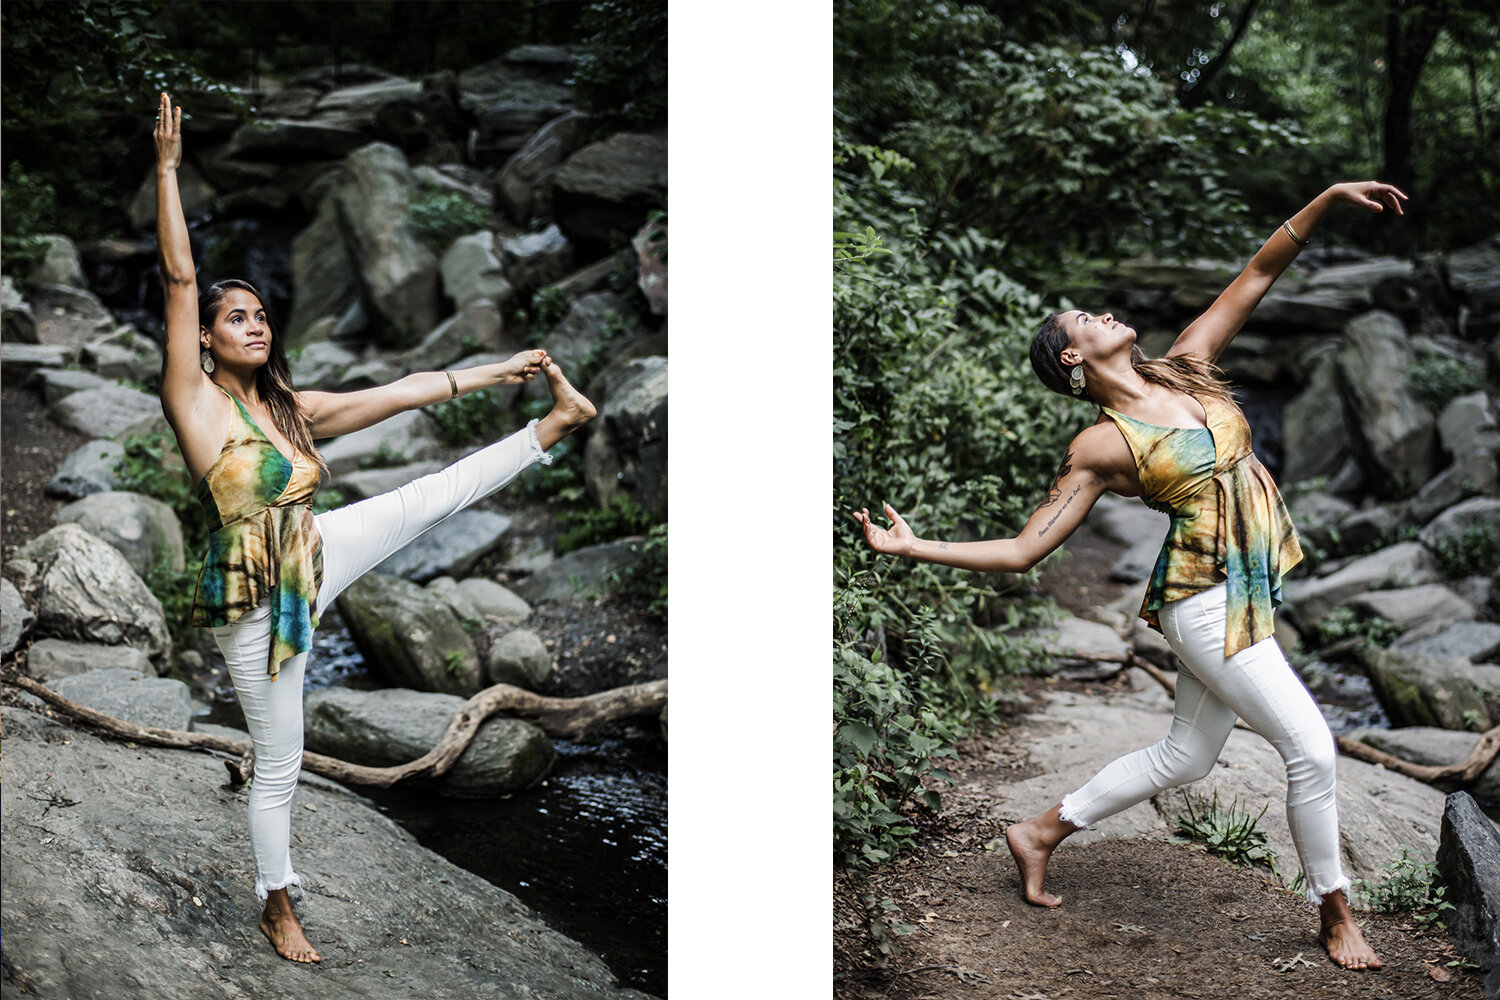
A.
x: 273, y: 567
x: 1169, y: 431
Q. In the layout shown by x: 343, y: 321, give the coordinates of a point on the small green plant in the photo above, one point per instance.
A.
x: 150, y: 466
x: 467, y: 419
x: 1345, y: 623
x: 440, y: 217
x: 174, y: 589
x: 1476, y: 550
x: 647, y: 576
x: 453, y: 662
x: 549, y: 304
x: 384, y: 457
x: 1407, y: 886
x: 472, y: 625
x: 885, y: 926
x: 1228, y: 831
x: 1437, y: 380
x: 620, y: 517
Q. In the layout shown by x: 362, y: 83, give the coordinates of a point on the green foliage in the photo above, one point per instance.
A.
x: 646, y: 577
x: 153, y: 466
x: 453, y: 662
x: 440, y: 217
x: 1344, y: 623
x: 383, y: 457
x: 549, y: 304
x: 1476, y: 550
x: 476, y: 416
x: 622, y: 70
x: 327, y: 499
x: 885, y: 925
x: 620, y: 517
x: 1437, y: 379
x: 1228, y: 831
x: 29, y: 211
x: 1407, y: 886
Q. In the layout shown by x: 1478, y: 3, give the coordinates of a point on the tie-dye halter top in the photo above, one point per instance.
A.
x: 264, y: 542
x: 1229, y: 524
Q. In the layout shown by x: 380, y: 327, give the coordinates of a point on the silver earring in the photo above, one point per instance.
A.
x: 207, y: 361
x: 1075, y: 379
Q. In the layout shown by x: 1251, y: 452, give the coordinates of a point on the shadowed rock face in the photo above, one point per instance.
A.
x: 141, y: 862
x: 1468, y: 859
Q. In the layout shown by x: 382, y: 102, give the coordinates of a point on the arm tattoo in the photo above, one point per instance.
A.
x: 943, y: 545
x: 1046, y: 527
x: 1056, y: 490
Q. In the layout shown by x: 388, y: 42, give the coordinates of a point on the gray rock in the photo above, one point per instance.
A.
x: 356, y: 106
x: 1433, y: 747
x: 450, y: 547
x: 585, y: 330
x: 1468, y: 859
x: 532, y: 260
x: 367, y: 374
x: 61, y: 265
x: 197, y: 197
x: 493, y: 601
x: 446, y: 588
x: 410, y: 637
x: 1473, y: 471
x: 397, y: 271
x: 522, y: 184
x: 153, y: 702
x: 373, y: 482
x: 285, y: 140
x: 84, y: 589
x: 406, y: 437
x: 581, y: 576
x: 1125, y: 520
x: 1477, y: 590
x: 604, y: 190
x: 1468, y: 422
x: 1474, y: 641
x: 126, y: 353
x: 510, y: 105
x: 457, y: 178
x: 519, y: 657
x: 105, y: 411
x: 15, y: 618
x: 17, y: 323
x: 124, y: 864
x: 1367, y: 528
x: 1448, y: 529
x: 1073, y: 642
x: 322, y: 364
x: 651, y: 268
x: 474, y: 327
x: 325, y: 277
x: 1405, y: 564
x: 1415, y: 608
x: 1314, y: 437
x: 88, y: 470
x: 627, y: 445
x: 19, y: 361
x: 1394, y: 434
x: 60, y: 383
x: 144, y: 529
x: 472, y: 271
x: 1317, y: 516
x: 1416, y: 690
x: 394, y: 726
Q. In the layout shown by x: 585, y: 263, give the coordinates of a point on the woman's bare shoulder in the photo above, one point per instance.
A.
x: 1102, y: 449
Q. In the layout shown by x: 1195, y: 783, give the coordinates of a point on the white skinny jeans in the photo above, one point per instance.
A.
x: 1259, y: 686
x: 355, y: 539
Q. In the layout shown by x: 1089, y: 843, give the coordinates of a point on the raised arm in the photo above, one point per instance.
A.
x: 330, y: 414
x: 1078, y: 485
x: 1211, y: 333
x: 186, y: 393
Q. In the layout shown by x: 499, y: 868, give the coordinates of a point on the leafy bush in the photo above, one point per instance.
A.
x: 476, y: 416
x: 174, y: 589
x: 152, y: 465
x: 549, y: 304
x: 29, y: 210
x: 622, y: 70
x: 1437, y: 379
x: 1228, y: 832
x: 620, y: 517
x: 1407, y: 886
x: 1345, y: 623
x: 440, y: 217
x: 647, y: 577
x: 1476, y: 550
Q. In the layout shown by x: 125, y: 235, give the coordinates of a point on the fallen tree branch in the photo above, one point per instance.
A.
x: 565, y: 717
x: 1462, y: 773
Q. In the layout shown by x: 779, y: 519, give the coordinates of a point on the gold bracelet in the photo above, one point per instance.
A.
x: 452, y: 384
x: 1287, y: 225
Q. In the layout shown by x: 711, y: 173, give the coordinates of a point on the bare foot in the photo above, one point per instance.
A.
x: 1347, y: 946
x: 570, y: 408
x: 281, y: 928
x: 522, y: 367
x: 1032, y: 851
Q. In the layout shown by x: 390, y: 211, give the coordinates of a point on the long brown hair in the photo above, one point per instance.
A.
x: 273, y: 380
x: 1190, y: 373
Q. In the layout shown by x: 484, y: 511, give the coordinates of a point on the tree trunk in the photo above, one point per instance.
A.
x: 1199, y: 92
x: 1411, y: 30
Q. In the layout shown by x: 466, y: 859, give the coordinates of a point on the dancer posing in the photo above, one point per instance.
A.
x: 1169, y: 431
x: 272, y: 566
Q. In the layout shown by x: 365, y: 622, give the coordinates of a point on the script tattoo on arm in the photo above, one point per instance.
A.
x: 1062, y: 471
x: 1046, y: 527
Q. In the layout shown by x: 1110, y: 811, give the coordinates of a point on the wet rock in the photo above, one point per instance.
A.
x: 1473, y: 471
x: 406, y: 437
x: 532, y: 260
x: 361, y: 485
x: 89, y: 469
x: 601, y: 193
x: 1474, y: 641
x: 84, y: 589
x: 124, y: 864
x: 627, y: 445
x: 472, y: 271
x: 410, y: 637
x: 15, y: 618
x: 106, y: 411
x: 17, y: 323
x: 581, y: 576
x: 144, y: 530
x: 1468, y: 422
x: 474, y: 326
x: 451, y: 547
x: 1415, y: 608
x: 1312, y: 427
x: 1405, y: 564
x: 325, y: 276
x: 20, y: 361
x: 1417, y: 690
x: 394, y: 726
x: 126, y: 353
x: 196, y: 193
x: 1433, y: 747
x: 523, y: 183
x: 519, y: 657
x: 154, y: 702
x: 1468, y: 859
x: 1394, y: 434
x: 1448, y: 531
x: 60, y: 383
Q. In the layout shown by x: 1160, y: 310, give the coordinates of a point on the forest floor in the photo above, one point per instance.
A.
x: 1140, y: 920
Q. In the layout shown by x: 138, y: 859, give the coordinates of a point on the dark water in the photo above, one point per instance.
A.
x: 1345, y: 696
x: 586, y: 848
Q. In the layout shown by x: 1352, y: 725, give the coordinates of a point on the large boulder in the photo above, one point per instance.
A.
x: 88, y: 469
x: 1130, y: 523
x: 322, y: 364
x: 397, y: 271
x: 532, y: 260
x: 357, y: 106
x: 60, y: 263
x: 69, y: 316
x: 1394, y: 435
x: 450, y: 547
x: 1081, y: 648
x: 15, y: 617
x: 1314, y: 437
x: 145, y: 530
x: 393, y: 726
x: 84, y: 589
x: 602, y: 193
x: 406, y: 437
x: 325, y: 276
x: 1473, y: 641
x: 130, y: 860
x: 523, y: 183
x: 480, y: 599
x: 284, y: 140
x: 125, y: 353
x: 1417, y: 690
x: 476, y: 326
x: 585, y: 329
x: 1473, y: 471
x: 59, y: 383
x: 582, y: 576
x: 519, y: 657
x: 1433, y: 747
x: 1416, y: 609
x: 1317, y: 516
x: 105, y: 411
x: 1405, y: 564
x: 17, y: 322
x: 153, y: 702
x: 18, y: 362
x: 627, y: 446
x: 49, y: 660
x: 1468, y: 422
x: 1468, y: 860
x: 509, y: 104
x: 195, y: 193
x: 361, y: 485
x: 410, y: 637
x: 1450, y: 531
x: 472, y: 271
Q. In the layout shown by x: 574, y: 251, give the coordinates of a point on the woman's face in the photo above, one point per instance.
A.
x: 240, y: 337
x: 1095, y: 336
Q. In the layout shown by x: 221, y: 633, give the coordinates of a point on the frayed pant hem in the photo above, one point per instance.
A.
x: 1315, y: 895
x: 1068, y: 813
x: 264, y: 890
x: 536, y: 445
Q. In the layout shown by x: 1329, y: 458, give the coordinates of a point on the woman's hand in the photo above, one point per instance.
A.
x: 897, y: 541
x: 168, y: 135
x: 1373, y: 195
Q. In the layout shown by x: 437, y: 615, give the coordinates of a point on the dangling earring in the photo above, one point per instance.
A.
x: 1075, y: 379
x: 207, y: 361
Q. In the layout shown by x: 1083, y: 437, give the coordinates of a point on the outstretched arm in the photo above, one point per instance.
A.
x: 1210, y: 333
x: 330, y: 414
x: 185, y: 391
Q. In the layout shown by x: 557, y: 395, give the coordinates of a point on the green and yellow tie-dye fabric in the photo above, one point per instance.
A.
x: 264, y: 542
x: 1229, y: 523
